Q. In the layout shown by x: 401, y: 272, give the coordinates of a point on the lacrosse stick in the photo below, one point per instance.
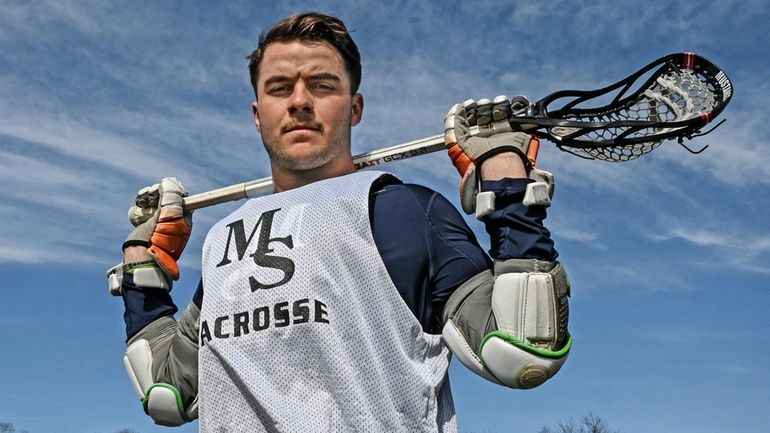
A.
x: 619, y: 122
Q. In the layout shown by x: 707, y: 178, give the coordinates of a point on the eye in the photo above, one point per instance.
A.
x: 323, y: 86
x: 279, y: 90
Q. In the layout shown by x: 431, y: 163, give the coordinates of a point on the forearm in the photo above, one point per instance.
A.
x: 515, y: 231
x: 503, y: 165
x: 144, y: 306
x: 135, y: 253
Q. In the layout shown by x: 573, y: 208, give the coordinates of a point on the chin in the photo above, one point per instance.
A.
x: 305, y: 155
x: 307, y: 160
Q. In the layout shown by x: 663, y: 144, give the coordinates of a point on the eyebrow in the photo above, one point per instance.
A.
x: 324, y: 76
x: 318, y: 76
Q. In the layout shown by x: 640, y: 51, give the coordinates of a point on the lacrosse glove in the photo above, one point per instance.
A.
x: 162, y: 223
x: 464, y: 126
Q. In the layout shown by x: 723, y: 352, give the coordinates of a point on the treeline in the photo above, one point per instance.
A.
x: 589, y: 423
x: 6, y: 427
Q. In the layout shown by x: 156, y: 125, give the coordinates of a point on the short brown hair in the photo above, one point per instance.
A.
x: 310, y: 26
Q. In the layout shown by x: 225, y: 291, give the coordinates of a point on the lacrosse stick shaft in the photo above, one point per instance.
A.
x: 374, y: 158
x: 263, y: 186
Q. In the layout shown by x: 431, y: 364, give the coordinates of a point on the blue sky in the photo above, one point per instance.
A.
x: 668, y: 255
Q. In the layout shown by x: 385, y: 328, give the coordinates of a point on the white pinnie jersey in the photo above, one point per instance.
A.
x: 302, y: 329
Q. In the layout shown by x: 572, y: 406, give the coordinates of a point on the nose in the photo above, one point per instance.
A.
x: 300, y: 100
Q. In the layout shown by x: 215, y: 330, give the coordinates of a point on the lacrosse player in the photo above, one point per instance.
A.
x: 335, y: 303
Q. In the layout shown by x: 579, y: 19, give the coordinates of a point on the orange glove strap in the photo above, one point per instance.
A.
x: 168, y: 241
x: 460, y: 160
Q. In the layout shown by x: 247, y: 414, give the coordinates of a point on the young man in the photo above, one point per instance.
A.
x: 332, y: 304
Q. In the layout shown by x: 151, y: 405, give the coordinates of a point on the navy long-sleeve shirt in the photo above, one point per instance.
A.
x: 425, y: 244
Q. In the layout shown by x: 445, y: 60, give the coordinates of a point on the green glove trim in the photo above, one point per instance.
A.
x: 147, y: 264
x: 527, y: 347
x: 177, y: 395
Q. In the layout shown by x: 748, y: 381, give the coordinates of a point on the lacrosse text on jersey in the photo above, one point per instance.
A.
x: 237, y: 235
x: 280, y: 315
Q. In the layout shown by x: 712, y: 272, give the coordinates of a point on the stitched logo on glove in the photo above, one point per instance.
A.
x: 261, y: 256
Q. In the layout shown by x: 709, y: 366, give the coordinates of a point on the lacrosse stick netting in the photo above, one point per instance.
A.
x: 676, y: 100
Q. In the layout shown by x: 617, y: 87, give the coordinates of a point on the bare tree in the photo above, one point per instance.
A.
x: 590, y: 423
x: 569, y: 426
x: 594, y: 424
x: 6, y: 427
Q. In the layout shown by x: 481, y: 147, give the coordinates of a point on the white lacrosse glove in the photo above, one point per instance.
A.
x: 162, y: 224
x: 467, y: 150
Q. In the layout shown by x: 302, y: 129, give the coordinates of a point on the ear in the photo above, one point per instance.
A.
x: 357, y: 109
x: 255, y: 110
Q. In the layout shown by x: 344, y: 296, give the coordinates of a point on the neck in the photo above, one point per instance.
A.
x: 286, y: 179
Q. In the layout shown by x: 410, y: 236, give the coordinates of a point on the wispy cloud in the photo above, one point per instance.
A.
x: 742, y: 370
x: 738, y: 248
x: 42, y: 237
x: 577, y: 235
x: 698, y: 237
x: 592, y: 273
x: 684, y: 335
x: 73, y: 152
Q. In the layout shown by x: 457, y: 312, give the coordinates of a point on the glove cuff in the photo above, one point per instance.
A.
x: 519, y: 151
x: 136, y: 242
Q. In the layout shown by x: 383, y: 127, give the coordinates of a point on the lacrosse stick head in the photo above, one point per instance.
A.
x: 672, y: 97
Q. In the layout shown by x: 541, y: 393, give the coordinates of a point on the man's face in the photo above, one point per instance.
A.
x: 305, y: 110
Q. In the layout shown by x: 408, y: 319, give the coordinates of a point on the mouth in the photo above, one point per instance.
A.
x: 301, y: 127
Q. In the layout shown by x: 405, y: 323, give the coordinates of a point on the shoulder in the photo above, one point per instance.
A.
x: 415, y: 209
x: 409, y: 197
